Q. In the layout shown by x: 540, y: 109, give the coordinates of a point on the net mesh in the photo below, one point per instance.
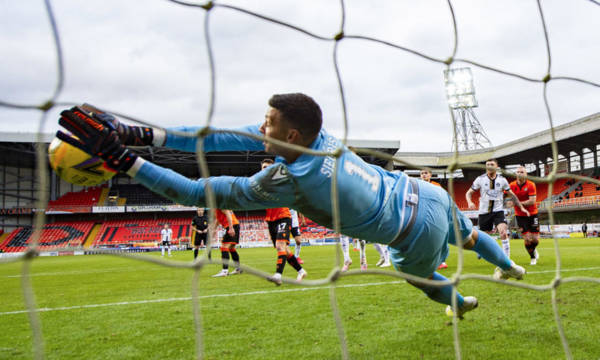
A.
x: 42, y: 195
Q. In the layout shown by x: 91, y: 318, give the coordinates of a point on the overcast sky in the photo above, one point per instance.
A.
x: 148, y: 59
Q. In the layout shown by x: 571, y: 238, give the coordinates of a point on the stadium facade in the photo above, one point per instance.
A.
x: 578, y: 147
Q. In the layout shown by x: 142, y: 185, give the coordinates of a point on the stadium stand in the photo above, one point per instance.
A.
x: 116, y: 233
x: 54, y: 236
x: 77, y: 201
x: 253, y: 228
x: 590, y: 189
x: 138, y: 195
x: 542, y: 192
x: 460, y: 189
x: 314, y: 231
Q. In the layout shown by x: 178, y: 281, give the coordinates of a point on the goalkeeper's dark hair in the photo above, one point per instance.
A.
x: 300, y: 111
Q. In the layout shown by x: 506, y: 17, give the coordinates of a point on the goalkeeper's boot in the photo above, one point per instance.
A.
x: 515, y: 271
x: 380, y: 262
x: 470, y: 303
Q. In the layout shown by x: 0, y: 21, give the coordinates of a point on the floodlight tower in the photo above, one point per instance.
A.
x: 460, y: 92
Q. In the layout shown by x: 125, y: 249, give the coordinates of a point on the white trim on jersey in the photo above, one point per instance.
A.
x: 491, y: 198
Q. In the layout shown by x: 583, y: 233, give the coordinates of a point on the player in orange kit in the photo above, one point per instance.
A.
x: 280, y: 224
x: 530, y: 225
x: 231, y: 238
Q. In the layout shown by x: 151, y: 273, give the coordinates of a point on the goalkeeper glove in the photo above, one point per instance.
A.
x: 95, y: 137
x: 128, y: 134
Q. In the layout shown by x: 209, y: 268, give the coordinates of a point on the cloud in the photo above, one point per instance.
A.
x: 151, y: 61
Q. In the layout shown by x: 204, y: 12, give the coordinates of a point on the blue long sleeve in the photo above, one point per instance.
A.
x: 256, y: 192
x: 214, y: 142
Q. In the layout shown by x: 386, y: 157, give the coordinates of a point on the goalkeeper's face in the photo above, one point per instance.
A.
x: 276, y: 127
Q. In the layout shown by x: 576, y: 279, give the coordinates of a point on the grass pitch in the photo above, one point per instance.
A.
x: 99, y: 307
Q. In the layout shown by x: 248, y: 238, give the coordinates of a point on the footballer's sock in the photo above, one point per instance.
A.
x: 162, y: 251
x: 195, y: 253
x: 291, y: 259
x: 363, y: 255
x: 489, y: 249
x: 530, y: 249
x: 297, y: 250
x: 534, y: 243
x: 235, y: 257
x: 506, y: 246
x: 530, y: 246
x: 169, y: 249
x: 441, y: 294
x: 344, y: 241
x: 380, y: 250
x: 281, y: 259
x: 225, y: 257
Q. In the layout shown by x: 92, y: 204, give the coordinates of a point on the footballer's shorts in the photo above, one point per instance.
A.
x: 529, y: 224
x: 487, y: 221
x: 296, y: 232
x: 199, y: 238
x: 232, y: 239
x: 166, y: 243
x: 426, y: 245
x: 280, y: 230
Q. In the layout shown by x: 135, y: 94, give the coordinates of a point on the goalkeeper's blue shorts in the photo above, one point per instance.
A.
x: 426, y: 245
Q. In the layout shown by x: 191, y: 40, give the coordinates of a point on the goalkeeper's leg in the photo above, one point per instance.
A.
x: 480, y: 242
x: 484, y: 245
x: 441, y: 294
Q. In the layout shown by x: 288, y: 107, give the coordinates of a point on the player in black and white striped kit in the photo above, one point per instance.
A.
x: 166, y: 234
x: 491, y: 187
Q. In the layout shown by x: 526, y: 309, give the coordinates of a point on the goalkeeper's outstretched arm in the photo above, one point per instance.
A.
x: 182, y: 138
x: 259, y: 191
x: 221, y: 141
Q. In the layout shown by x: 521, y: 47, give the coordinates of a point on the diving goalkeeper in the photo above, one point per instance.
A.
x: 411, y: 216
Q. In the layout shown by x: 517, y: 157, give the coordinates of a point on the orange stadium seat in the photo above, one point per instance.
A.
x: 74, y: 200
x: 54, y: 236
x: 460, y: 190
x: 130, y: 232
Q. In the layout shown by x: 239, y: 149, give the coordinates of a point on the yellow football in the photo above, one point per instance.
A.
x: 75, y: 166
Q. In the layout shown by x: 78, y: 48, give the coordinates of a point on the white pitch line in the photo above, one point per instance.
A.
x: 74, y: 272
x: 563, y: 270
x: 262, y: 292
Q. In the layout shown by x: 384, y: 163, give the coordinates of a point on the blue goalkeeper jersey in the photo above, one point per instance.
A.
x: 371, y: 200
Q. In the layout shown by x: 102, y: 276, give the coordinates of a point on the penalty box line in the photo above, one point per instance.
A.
x: 261, y: 292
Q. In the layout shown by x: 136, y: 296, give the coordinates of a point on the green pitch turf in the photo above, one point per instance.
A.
x: 105, y: 307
